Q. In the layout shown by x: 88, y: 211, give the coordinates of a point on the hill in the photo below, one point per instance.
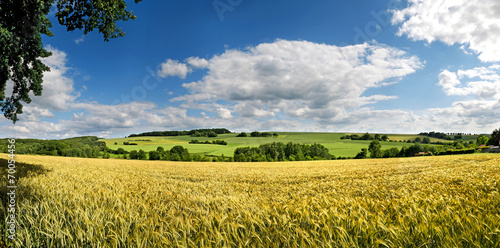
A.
x: 337, y: 146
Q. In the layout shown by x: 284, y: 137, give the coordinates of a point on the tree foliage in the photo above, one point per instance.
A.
x: 374, y: 149
x: 22, y: 24
x: 495, y: 137
x: 278, y: 151
x: 194, y: 133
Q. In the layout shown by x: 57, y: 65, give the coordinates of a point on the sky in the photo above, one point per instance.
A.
x: 379, y: 66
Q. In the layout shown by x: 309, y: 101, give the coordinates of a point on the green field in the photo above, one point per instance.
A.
x: 332, y: 141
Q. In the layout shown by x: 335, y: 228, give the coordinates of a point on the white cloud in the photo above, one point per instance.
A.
x: 173, y: 68
x: 224, y: 113
x: 302, y: 78
x: 474, y: 24
x: 483, y: 82
x: 477, y: 114
x: 80, y: 40
x: 58, y: 92
x: 197, y: 63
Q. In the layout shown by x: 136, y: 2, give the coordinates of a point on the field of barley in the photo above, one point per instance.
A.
x: 446, y: 201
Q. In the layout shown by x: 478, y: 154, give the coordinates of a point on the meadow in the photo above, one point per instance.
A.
x: 445, y: 201
x: 338, y: 147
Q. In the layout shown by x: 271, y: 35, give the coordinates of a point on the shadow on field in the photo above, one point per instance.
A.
x: 22, y: 170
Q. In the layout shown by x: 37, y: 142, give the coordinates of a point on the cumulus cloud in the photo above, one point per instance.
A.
x: 173, y: 68
x: 224, y: 113
x: 482, y: 82
x: 474, y: 24
x: 58, y: 91
x: 197, y: 63
x: 482, y: 112
x: 302, y: 78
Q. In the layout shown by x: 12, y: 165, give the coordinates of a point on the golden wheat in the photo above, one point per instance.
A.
x: 449, y: 201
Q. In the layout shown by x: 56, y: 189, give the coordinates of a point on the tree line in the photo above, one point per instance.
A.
x: 213, y: 142
x: 257, y: 134
x: 366, y: 136
x: 278, y: 151
x: 417, y: 149
x: 85, y: 147
x: 213, y: 132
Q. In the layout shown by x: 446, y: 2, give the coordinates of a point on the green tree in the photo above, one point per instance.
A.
x: 391, y: 152
x: 141, y: 154
x: 133, y: 154
x: 22, y: 24
x: 362, y: 154
x: 154, y: 155
x: 495, y: 137
x: 426, y: 140
x: 482, y: 140
x: 242, y: 134
x: 367, y: 136
x: 385, y: 137
x: 160, y: 149
x: 374, y: 149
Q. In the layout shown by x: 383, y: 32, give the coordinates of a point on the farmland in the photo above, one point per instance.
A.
x: 446, y: 201
x: 332, y: 141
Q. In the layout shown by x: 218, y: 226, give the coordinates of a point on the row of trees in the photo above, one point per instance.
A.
x: 366, y: 136
x: 176, y: 153
x: 86, y: 147
x: 278, y: 151
x: 214, y: 142
x: 257, y: 134
x: 417, y: 149
x: 440, y: 135
x: 213, y: 132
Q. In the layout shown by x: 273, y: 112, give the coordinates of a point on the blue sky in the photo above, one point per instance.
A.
x: 337, y: 66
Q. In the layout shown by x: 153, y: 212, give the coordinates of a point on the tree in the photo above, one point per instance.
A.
x: 141, y: 154
x: 385, y: 137
x: 374, y: 149
x: 481, y: 140
x: 367, y: 136
x: 160, y: 149
x: 133, y: 154
x: 495, y: 137
x: 242, y: 134
x: 22, y: 23
x: 390, y: 153
x: 426, y: 140
x: 154, y: 155
x: 362, y: 154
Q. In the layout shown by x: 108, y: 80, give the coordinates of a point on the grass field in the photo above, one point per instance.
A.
x: 332, y: 141
x: 446, y: 201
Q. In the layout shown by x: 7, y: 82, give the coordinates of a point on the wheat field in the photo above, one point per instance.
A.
x: 447, y: 201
